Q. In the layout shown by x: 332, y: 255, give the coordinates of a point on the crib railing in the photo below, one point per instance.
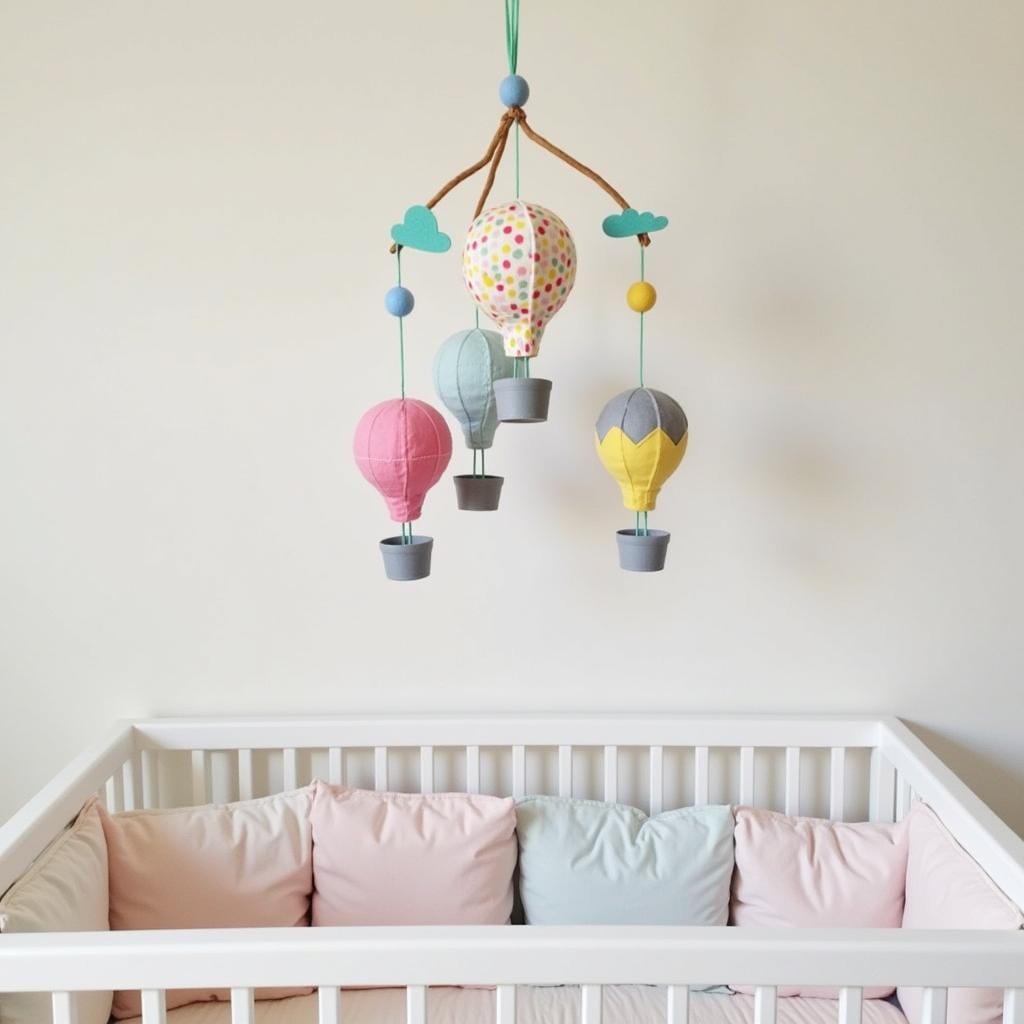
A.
x: 744, y: 739
x: 842, y: 766
x: 592, y: 957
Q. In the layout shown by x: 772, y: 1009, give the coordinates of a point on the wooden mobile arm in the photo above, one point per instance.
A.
x: 493, y: 155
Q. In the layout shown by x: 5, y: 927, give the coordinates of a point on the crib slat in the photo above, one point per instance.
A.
x: 426, y: 769
x: 565, y: 771
x: 902, y: 797
x: 290, y: 768
x: 506, y: 1005
x: 701, y: 780
x: 851, y: 1004
x: 1013, y: 1006
x: 590, y: 1002
x: 65, y: 1008
x: 334, y: 776
x: 242, y: 1006
x: 380, y: 769
x: 765, y: 1004
x: 657, y: 789
x: 611, y: 774
x: 150, y: 779
x: 328, y: 1005
x: 200, y: 775
x: 472, y: 769
x: 416, y: 1004
x: 747, y: 776
x: 245, y: 791
x: 883, y: 787
x: 115, y: 792
x: 518, y: 771
x: 130, y: 781
x: 933, y: 1006
x: 677, y: 1004
x: 792, y: 780
x: 837, y: 784
x: 154, y: 1006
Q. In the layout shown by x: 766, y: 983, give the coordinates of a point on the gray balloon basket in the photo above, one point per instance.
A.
x: 644, y: 551
x: 409, y: 561
x: 478, y: 493
x: 522, y: 399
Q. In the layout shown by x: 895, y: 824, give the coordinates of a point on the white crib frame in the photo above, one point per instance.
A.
x: 123, y: 768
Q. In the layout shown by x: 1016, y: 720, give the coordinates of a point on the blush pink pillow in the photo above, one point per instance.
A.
x: 242, y: 865
x: 401, y: 858
x: 947, y: 889
x: 811, y: 873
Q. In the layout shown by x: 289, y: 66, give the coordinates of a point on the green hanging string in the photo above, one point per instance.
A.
x: 645, y: 529
x: 401, y: 322
x: 483, y: 462
x: 512, y: 34
x: 641, y: 322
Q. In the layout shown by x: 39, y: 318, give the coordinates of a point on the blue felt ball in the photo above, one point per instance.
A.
x: 514, y: 91
x: 399, y: 301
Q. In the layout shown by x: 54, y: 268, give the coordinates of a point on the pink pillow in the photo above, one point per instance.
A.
x: 401, y: 858
x: 243, y: 865
x: 947, y: 889
x: 812, y: 873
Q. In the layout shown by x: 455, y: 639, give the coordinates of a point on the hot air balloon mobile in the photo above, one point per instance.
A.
x: 641, y: 433
x: 466, y: 369
x: 519, y: 264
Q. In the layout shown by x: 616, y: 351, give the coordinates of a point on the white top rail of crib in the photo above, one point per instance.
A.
x: 538, y: 730
x: 252, y: 957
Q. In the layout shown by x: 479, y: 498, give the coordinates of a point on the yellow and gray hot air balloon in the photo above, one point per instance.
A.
x: 641, y: 439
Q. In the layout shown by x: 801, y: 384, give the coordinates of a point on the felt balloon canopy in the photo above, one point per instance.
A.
x: 519, y: 264
x: 641, y: 439
x: 402, y: 447
x: 465, y: 369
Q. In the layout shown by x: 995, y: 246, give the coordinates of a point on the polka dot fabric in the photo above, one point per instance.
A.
x: 519, y: 265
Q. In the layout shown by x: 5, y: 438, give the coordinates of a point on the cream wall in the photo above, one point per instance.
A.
x: 196, y: 198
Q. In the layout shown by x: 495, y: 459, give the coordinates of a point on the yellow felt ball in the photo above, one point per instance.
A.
x: 641, y: 297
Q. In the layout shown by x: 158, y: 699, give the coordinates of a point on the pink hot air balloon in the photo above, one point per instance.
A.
x: 519, y: 264
x: 403, y: 446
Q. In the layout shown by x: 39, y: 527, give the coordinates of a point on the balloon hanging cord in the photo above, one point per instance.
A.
x: 401, y: 328
x: 641, y: 322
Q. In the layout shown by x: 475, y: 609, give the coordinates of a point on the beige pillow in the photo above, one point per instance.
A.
x: 65, y: 890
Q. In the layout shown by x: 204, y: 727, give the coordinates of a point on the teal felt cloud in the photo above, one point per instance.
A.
x: 419, y: 231
x: 631, y: 222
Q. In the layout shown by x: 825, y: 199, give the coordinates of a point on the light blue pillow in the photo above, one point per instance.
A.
x: 586, y: 862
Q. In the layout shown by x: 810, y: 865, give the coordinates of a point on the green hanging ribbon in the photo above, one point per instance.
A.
x: 512, y: 34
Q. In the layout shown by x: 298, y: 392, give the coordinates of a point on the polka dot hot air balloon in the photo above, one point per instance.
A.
x: 519, y: 264
x: 641, y: 439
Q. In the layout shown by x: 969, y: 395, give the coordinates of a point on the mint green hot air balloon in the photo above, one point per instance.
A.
x: 465, y: 369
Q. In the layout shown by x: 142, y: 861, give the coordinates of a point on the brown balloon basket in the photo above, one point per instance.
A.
x: 478, y: 493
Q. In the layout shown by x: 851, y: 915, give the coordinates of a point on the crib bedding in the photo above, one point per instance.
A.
x: 622, y: 1004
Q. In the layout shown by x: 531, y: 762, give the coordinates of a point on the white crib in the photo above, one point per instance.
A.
x: 835, y: 766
